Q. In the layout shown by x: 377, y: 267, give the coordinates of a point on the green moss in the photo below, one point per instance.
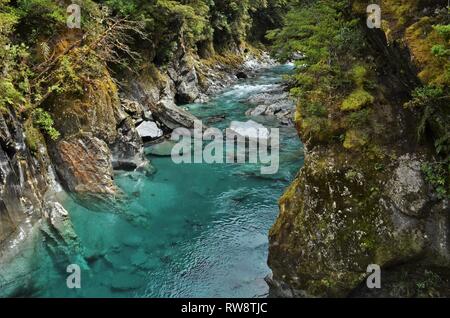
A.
x: 359, y: 73
x: 226, y: 58
x: 9, y: 94
x: 44, y: 121
x: 354, y: 139
x: 359, y: 119
x: 357, y: 100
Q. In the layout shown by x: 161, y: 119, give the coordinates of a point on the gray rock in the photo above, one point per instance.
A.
x: 407, y: 188
x: 127, y: 150
x: 275, y: 102
x: 297, y: 56
x: 147, y: 115
x: 187, y: 89
x: 163, y: 149
x: 172, y: 116
x: 132, y: 108
x: 258, y: 111
x: 84, y: 164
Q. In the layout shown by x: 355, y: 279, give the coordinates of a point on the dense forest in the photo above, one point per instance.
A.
x: 42, y: 58
x: 372, y: 109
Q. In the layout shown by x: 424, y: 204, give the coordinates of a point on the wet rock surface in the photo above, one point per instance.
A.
x: 29, y: 213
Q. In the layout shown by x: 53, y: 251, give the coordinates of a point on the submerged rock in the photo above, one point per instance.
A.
x: 60, y: 238
x: 125, y: 281
x: 163, y: 149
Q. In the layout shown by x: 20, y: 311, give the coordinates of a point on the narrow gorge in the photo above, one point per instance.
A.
x: 87, y: 175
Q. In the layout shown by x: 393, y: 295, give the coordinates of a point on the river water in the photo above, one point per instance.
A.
x: 192, y: 230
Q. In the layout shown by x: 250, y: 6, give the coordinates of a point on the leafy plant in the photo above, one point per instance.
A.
x: 44, y: 121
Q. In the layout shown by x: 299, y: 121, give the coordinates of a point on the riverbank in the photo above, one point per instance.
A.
x: 190, y: 230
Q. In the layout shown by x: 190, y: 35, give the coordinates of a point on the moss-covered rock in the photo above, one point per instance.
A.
x: 357, y: 100
x: 354, y: 139
x: 361, y: 197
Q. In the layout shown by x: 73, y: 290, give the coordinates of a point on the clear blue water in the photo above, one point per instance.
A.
x: 192, y: 230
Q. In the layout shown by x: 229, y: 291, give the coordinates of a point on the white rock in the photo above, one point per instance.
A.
x: 149, y: 129
x: 250, y: 129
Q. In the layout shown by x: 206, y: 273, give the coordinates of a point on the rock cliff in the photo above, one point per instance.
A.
x: 362, y: 197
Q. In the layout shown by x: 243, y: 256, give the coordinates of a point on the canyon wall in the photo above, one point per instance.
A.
x: 363, y: 197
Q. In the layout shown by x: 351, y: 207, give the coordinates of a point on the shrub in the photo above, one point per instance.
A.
x: 44, y: 121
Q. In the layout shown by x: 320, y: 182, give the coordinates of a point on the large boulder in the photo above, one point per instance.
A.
x: 128, y: 150
x: 187, y: 87
x: 341, y: 214
x: 23, y: 178
x: 84, y: 164
x: 172, y: 116
x: 148, y: 130
x: 275, y: 102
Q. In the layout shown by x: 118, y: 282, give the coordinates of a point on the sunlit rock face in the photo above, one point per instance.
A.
x: 84, y: 163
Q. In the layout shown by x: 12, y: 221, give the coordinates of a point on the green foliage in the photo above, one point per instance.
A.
x: 313, y: 29
x: 315, y: 109
x: 9, y: 94
x: 191, y: 23
x: 33, y: 137
x: 44, y: 121
x: 434, y: 104
x: 443, y: 30
x: 359, y: 73
x: 39, y: 18
x: 331, y: 44
x: 440, y: 50
x: 437, y: 174
x: 15, y: 73
x: 354, y: 139
x: 359, y: 119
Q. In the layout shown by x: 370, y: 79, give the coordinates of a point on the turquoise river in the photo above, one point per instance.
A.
x: 188, y: 230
